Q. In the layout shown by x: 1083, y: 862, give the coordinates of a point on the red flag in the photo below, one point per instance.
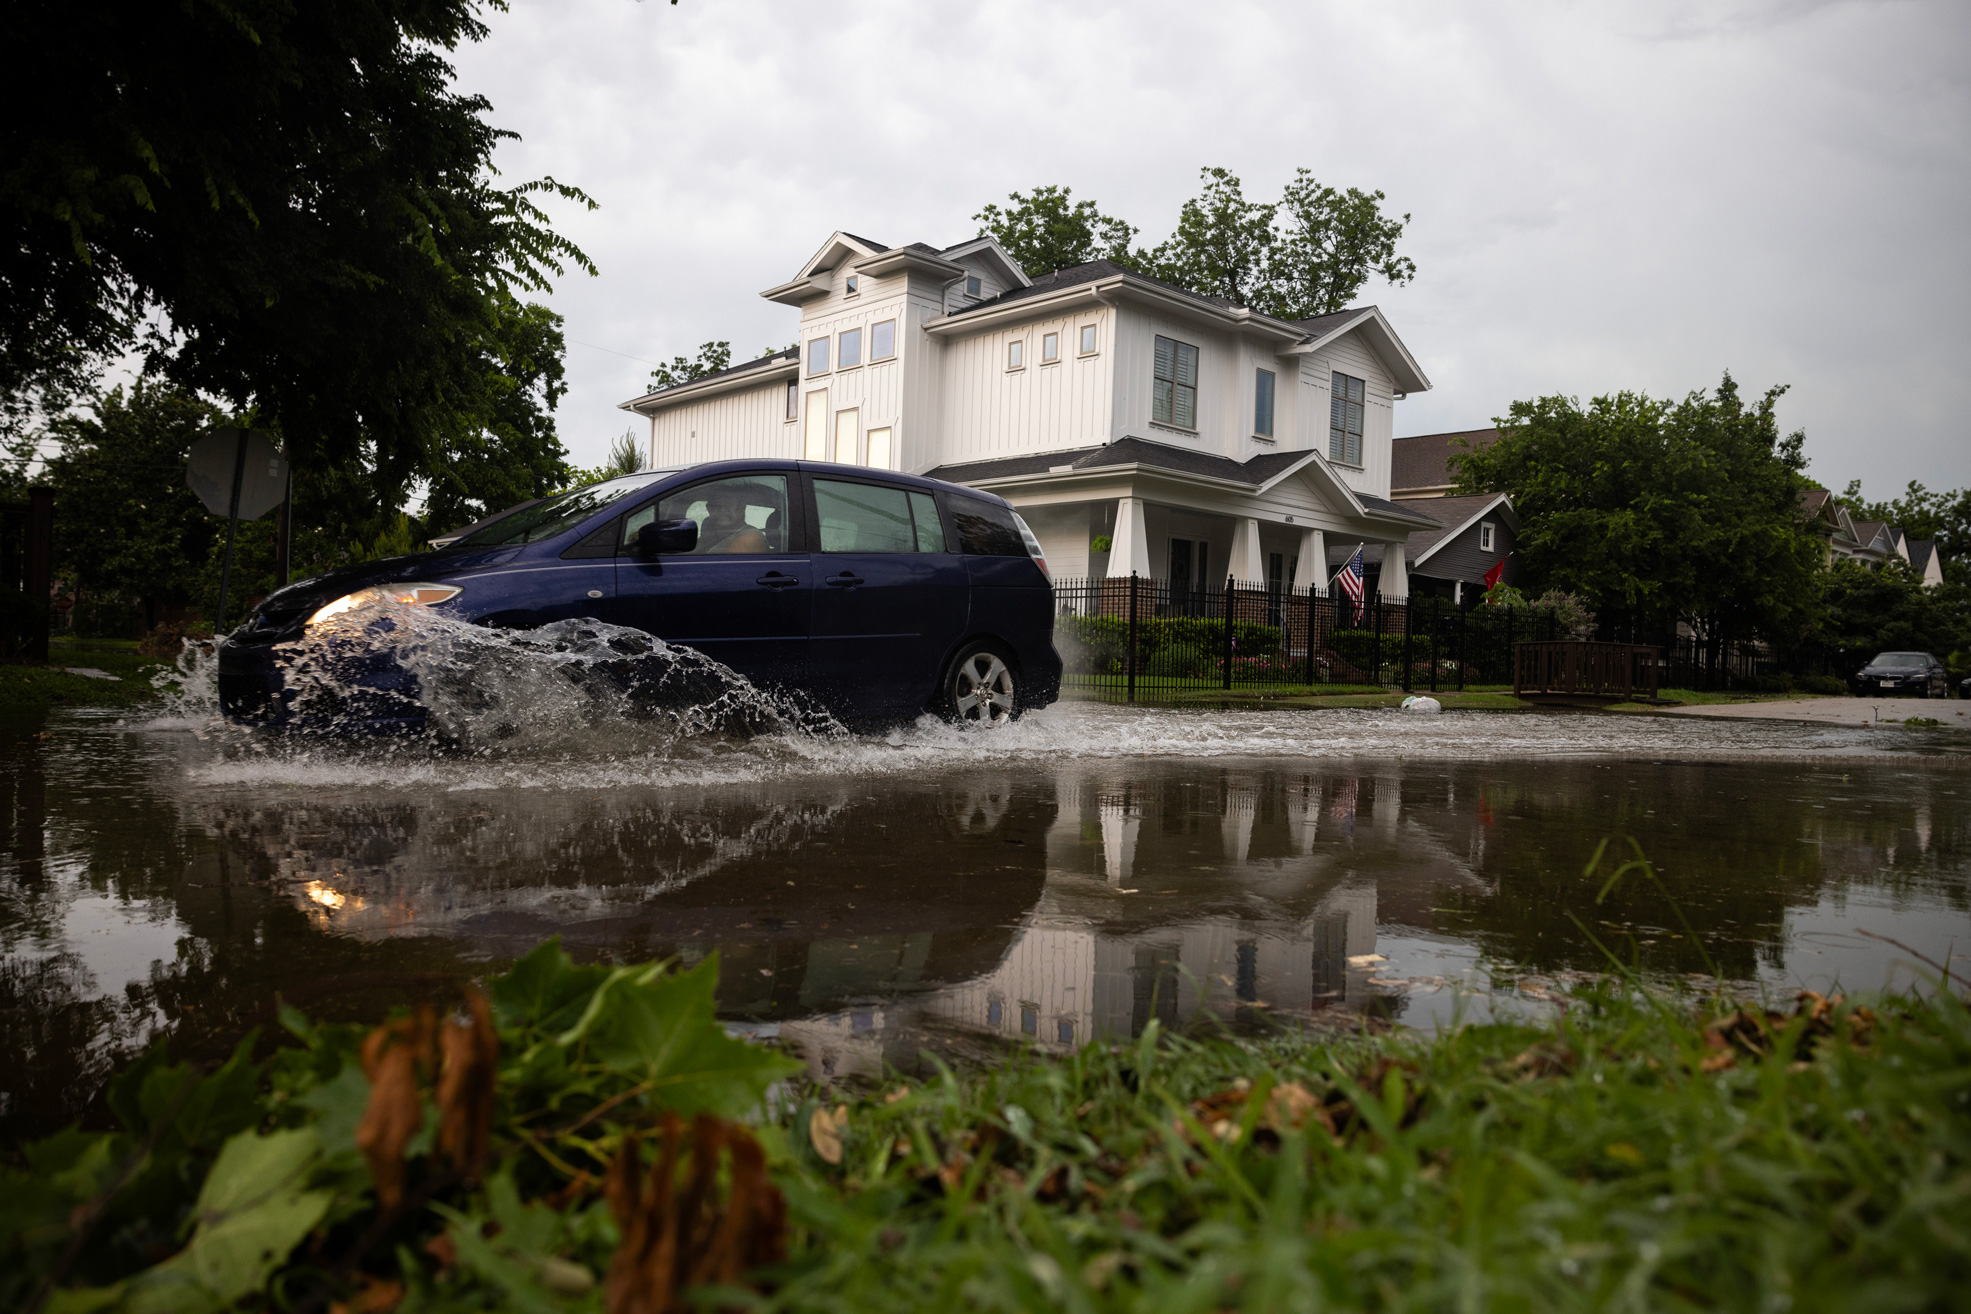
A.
x: 1492, y: 575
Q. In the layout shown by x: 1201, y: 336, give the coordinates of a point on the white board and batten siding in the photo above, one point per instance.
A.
x: 990, y: 411
x: 1350, y: 356
x: 731, y: 426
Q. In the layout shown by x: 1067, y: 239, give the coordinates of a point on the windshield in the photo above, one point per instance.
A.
x: 546, y: 519
x: 1900, y: 659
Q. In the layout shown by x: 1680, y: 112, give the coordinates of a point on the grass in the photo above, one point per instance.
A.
x: 1629, y: 1150
x: 32, y: 689
x: 1628, y: 1155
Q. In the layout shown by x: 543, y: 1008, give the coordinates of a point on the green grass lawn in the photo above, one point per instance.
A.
x: 30, y: 689
x: 1630, y: 1150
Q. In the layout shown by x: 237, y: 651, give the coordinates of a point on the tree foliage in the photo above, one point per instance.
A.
x: 1655, y: 511
x: 1046, y: 230
x: 1870, y: 609
x: 1308, y: 253
x: 712, y: 357
x: 291, y: 199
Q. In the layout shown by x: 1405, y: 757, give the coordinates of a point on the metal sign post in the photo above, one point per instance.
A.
x: 241, y: 475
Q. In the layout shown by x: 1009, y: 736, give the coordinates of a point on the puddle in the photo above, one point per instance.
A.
x: 1068, y: 877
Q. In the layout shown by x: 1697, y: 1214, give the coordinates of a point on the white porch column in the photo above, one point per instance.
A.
x: 1395, y: 571
x: 1311, y: 567
x: 1248, y: 563
x: 1131, y: 549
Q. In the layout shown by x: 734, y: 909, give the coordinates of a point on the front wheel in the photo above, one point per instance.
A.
x: 980, y: 686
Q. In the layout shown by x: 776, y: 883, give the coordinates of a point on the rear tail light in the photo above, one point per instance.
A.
x: 1033, y: 546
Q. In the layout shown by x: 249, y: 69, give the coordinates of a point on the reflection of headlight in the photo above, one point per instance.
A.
x: 411, y: 595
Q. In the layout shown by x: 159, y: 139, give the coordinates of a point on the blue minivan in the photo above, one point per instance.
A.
x: 883, y: 595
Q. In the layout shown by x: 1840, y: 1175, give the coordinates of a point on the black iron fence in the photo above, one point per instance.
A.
x: 1140, y: 639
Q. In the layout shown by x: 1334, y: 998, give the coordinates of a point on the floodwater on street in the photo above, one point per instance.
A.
x: 1068, y: 877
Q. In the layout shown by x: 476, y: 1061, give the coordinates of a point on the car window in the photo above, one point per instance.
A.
x: 1902, y: 659
x: 742, y: 514
x: 863, y: 517
x: 546, y: 519
x: 930, y: 525
x: 986, y: 529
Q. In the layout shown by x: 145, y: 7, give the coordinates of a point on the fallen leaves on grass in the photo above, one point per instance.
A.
x: 1753, y: 1033
x: 676, y: 1239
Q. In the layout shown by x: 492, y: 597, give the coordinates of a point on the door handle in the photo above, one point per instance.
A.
x: 843, y: 581
x: 773, y: 579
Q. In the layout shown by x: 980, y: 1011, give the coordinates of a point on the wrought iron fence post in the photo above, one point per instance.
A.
x: 1310, y: 632
x: 1462, y: 613
x: 1407, y: 649
x: 1433, y: 643
x: 1375, y: 677
x: 1132, y: 637
x: 1228, y: 632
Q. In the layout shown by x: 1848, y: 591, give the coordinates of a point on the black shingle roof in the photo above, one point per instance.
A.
x: 1093, y: 271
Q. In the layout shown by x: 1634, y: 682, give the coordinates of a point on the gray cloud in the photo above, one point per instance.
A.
x: 1604, y: 196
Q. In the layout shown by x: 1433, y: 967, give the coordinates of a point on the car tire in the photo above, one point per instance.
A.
x: 981, y: 686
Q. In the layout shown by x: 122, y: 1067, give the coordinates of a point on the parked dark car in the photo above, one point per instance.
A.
x: 1903, y: 672
x: 884, y: 595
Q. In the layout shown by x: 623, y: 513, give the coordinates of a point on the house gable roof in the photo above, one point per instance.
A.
x: 1456, y: 515
x: 1923, y: 556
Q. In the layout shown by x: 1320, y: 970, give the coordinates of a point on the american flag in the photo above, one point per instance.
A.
x: 1350, y: 580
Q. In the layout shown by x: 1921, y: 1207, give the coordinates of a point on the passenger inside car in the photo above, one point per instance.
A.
x: 736, y: 517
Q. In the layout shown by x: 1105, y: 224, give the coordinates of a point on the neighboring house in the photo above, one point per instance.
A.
x: 1474, y: 534
x: 1923, y: 559
x: 1872, y: 541
x: 1138, y: 427
x: 1475, y: 531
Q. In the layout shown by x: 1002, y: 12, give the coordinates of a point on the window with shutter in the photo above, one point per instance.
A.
x: 1345, y: 419
x: 1174, y: 399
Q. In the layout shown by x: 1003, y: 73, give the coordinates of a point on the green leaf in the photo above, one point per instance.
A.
x: 251, y: 1213
x: 545, y: 989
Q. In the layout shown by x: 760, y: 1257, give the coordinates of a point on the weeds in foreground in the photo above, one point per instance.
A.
x: 571, y: 1143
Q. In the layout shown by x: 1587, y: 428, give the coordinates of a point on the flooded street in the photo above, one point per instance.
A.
x: 1069, y: 877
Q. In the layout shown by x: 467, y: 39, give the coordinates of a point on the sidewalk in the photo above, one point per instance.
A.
x: 1954, y: 713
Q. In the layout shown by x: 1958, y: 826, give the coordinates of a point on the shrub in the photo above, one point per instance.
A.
x: 1823, y: 684
x: 1180, y: 660
x: 1771, y: 682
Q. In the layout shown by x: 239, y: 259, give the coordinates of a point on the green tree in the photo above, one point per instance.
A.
x: 1871, y: 609
x: 712, y: 357
x: 126, y: 525
x: 291, y: 199
x: 1658, y: 511
x: 1223, y: 245
x: 1327, y: 246
x: 516, y: 455
x: 1046, y: 230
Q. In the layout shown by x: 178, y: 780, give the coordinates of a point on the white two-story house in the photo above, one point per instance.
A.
x: 1138, y: 427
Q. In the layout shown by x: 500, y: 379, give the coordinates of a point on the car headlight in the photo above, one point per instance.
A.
x: 410, y: 595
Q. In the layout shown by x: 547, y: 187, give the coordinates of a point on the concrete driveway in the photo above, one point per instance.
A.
x: 1954, y: 713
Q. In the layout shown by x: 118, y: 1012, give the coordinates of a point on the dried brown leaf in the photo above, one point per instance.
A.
x: 392, y: 1055
x: 466, y: 1085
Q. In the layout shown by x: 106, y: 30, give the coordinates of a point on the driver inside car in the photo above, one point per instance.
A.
x: 726, y: 529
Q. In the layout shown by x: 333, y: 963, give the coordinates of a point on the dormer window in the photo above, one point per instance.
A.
x: 971, y: 285
x: 851, y: 286
x: 1487, y: 534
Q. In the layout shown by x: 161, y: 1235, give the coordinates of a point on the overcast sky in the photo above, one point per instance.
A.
x: 1603, y: 196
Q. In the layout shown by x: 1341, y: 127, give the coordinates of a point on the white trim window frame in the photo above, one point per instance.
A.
x: 1264, y: 392
x: 818, y: 359
x: 1174, y: 385
x: 814, y: 439
x: 852, y: 285
x: 1091, y: 340
x: 1347, y: 404
x: 848, y: 348
x: 1050, y: 348
x: 1488, y: 534
x: 1016, y: 355
x: 973, y: 288
x: 882, y: 340
x: 793, y: 400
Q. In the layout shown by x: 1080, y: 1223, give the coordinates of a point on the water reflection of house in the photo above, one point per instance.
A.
x: 1270, y: 928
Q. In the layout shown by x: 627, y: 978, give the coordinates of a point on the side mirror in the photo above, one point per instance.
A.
x: 666, y: 536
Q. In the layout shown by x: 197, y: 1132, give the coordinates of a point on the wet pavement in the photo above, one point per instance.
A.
x: 1069, y: 877
x: 1952, y: 713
